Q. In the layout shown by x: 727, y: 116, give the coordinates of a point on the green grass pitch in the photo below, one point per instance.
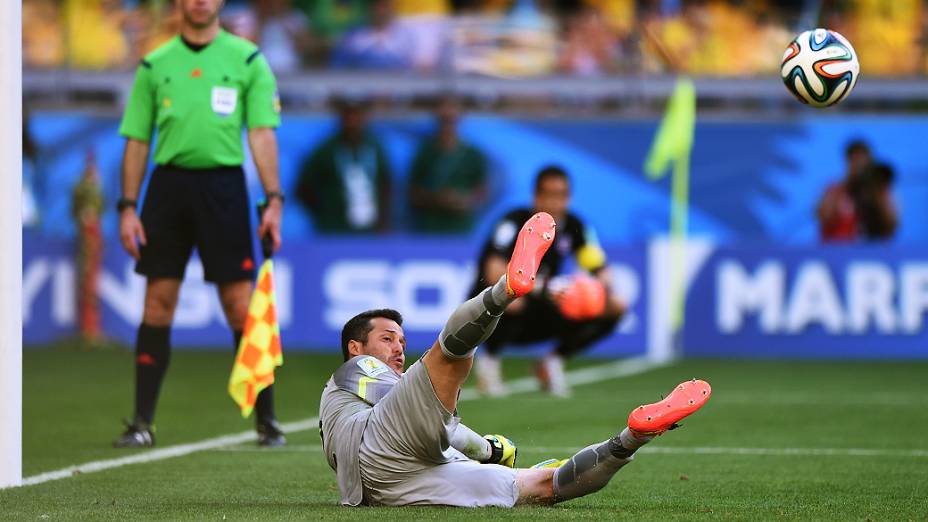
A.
x: 731, y: 461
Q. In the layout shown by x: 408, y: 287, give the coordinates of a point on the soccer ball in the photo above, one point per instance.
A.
x: 820, y: 67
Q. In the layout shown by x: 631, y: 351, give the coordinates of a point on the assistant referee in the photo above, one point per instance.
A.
x: 199, y: 90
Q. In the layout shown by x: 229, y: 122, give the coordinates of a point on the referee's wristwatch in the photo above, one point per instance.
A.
x: 125, y: 203
x: 274, y: 194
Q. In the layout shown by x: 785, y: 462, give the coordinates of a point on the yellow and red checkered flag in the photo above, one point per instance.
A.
x: 259, y: 352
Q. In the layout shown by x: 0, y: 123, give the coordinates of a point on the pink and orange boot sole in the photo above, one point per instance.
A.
x: 683, y: 401
x: 536, y: 236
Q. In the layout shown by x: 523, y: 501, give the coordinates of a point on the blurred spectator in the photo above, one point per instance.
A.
x: 30, y: 154
x: 448, y: 179
x: 772, y: 39
x: 283, y: 34
x: 880, y: 31
x: 422, y: 7
x: 589, y: 47
x: 706, y: 37
x: 860, y: 205
x: 43, y: 34
x: 521, y: 43
x: 878, y: 214
x: 345, y: 182
x: 86, y: 208
x: 499, y: 37
x: 151, y: 25
x: 330, y: 19
x: 95, y: 34
x: 241, y: 20
x: 384, y: 44
x: 482, y: 7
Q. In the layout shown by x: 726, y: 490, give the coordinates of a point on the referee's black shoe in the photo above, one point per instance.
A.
x: 270, y: 435
x: 138, y: 434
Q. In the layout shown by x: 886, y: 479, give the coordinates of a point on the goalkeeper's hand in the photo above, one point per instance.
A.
x: 502, y: 451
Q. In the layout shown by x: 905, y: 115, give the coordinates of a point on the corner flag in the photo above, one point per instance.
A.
x: 674, y: 139
x: 673, y: 145
x: 259, y: 352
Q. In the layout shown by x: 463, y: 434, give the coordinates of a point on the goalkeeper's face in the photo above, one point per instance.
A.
x: 386, y: 342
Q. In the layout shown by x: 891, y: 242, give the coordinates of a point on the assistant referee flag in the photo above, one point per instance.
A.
x: 259, y: 351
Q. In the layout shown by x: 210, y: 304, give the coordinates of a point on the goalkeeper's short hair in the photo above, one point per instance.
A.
x: 358, y: 327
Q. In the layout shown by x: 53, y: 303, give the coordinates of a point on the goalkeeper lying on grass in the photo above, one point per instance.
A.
x: 393, y: 437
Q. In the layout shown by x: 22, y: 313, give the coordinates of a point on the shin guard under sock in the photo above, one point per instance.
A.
x: 592, y: 467
x: 473, y: 322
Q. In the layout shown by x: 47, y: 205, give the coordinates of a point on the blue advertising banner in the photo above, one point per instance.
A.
x: 747, y: 301
x: 836, y: 302
x: 319, y: 284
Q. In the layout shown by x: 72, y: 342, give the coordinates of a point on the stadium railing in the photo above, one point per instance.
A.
x: 313, y: 91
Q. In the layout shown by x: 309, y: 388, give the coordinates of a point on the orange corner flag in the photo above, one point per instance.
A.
x: 259, y: 352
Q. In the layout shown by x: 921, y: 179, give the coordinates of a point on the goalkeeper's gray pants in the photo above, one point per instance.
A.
x: 406, y: 456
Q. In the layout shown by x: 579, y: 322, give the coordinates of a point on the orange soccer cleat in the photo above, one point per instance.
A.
x: 684, y: 400
x: 536, y: 236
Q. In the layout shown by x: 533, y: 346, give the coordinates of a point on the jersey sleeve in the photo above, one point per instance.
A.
x: 262, y: 103
x: 139, y: 116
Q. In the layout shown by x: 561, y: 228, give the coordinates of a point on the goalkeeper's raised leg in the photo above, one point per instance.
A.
x: 393, y: 436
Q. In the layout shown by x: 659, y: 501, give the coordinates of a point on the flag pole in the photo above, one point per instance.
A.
x: 11, y: 229
x: 679, y: 228
x: 672, y: 146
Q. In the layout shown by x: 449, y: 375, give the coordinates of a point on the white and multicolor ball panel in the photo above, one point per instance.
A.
x: 820, y: 67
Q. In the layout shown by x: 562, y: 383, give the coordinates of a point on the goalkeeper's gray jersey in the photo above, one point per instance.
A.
x: 346, y: 405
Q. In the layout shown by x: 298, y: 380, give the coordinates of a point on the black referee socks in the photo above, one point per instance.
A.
x: 152, y: 355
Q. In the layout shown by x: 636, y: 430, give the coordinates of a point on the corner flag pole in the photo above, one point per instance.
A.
x: 672, y: 145
x: 11, y: 227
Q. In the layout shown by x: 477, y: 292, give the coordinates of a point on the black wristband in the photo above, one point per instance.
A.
x: 275, y: 194
x: 125, y: 203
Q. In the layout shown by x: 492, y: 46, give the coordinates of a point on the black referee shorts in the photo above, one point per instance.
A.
x: 203, y: 208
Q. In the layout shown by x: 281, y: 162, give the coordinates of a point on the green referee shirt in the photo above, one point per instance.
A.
x: 200, y: 100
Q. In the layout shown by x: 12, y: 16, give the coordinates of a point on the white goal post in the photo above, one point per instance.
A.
x: 11, y: 350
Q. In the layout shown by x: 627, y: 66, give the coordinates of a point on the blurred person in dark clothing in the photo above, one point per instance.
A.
x: 384, y: 44
x: 448, y: 181
x: 345, y: 182
x: 283, y: 34
x: 550, y: 311
x: 589, y: 48
x: 30, y: 157
x: 878, y: 215
x: 860, y: 206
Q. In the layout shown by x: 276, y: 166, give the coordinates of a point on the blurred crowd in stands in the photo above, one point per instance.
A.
x: 504, y: 38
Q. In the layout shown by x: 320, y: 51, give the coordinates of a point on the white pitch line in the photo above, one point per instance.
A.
x: 786, y: 452
x: 776, y: 452
x: 164, y: 453
x: 675, y: 450
x: 589, y: 375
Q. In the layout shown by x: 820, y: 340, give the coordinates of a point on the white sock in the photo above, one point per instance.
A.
x: 631, y: 441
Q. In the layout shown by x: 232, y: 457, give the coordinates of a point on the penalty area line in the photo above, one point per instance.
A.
x: 598, y: 373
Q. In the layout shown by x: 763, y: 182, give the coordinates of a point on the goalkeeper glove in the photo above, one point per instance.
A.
x: 502, y: 451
